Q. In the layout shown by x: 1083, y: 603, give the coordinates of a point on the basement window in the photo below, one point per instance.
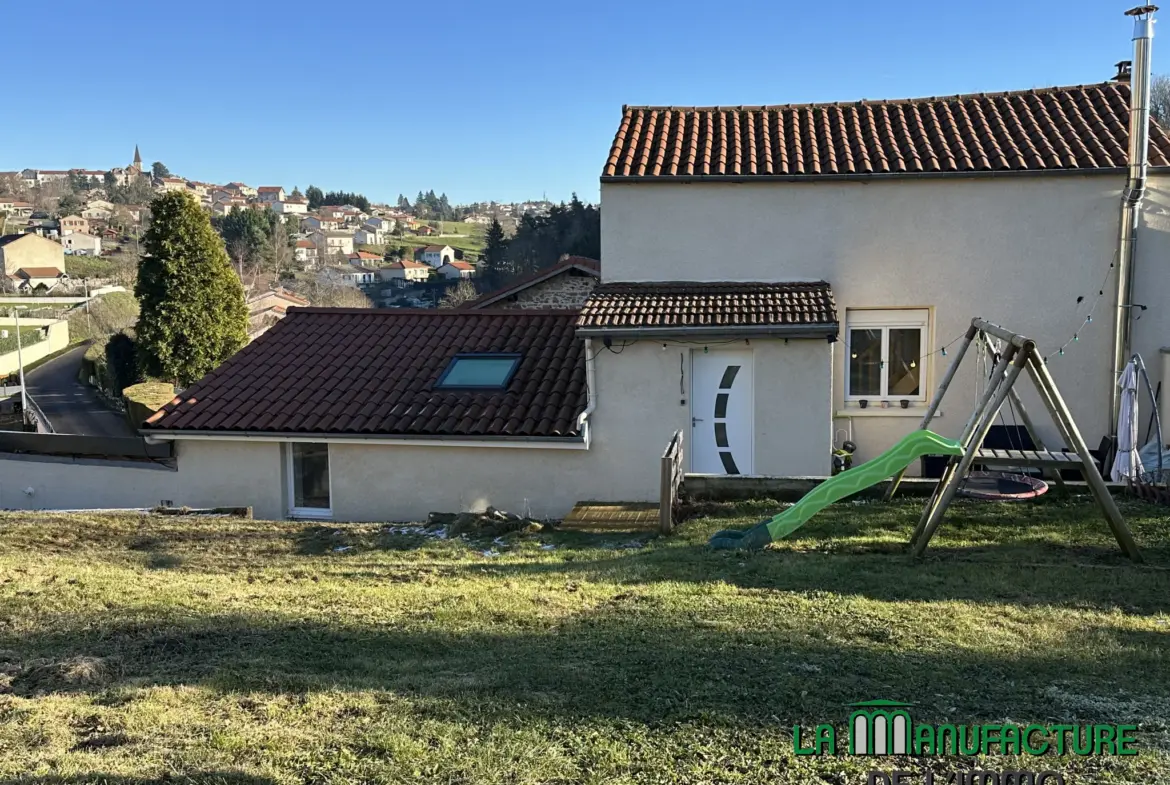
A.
x: 479, y: 372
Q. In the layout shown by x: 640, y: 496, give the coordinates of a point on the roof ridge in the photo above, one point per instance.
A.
x: 438, y: 312
x: 867, y: 101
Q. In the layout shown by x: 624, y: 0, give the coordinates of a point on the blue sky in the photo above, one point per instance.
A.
x: 504, y: 100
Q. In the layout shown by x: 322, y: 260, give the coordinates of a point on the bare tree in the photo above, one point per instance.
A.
x: 280, y: 253
x: 1160, y: 99
x: 460, y: 293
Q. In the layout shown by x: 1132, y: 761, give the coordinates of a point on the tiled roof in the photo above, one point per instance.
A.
x: 1079, y: 128
x: 373, y: 373
x: 692, y: 306
x: 365, y: 255
x: 581, y: 263
x: 269, y: 189
x: 305, y: 244
x: 407, y: 264
x: 40, y: 272
x: 460, y: 265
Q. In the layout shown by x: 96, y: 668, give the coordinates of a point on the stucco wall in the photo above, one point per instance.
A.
x: 55, y: 341
x: 210, y: 474
x: 32, y: 251
x: 1018, y: 251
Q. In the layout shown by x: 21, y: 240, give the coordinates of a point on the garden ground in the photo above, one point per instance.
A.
x: 137, y: 648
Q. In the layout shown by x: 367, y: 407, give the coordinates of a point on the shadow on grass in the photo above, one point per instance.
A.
x: 631, y: 658
x: 100, y: 778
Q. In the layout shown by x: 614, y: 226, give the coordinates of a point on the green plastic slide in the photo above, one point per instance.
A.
x: 912, y: 447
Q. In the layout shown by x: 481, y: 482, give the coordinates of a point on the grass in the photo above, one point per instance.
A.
x: 28, y: 337
x: 147, y: 649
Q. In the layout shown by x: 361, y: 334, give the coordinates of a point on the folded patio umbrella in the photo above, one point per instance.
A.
x: 1126, y: 465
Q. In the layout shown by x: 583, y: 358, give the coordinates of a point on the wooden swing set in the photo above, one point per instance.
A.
x: 1017, y: 355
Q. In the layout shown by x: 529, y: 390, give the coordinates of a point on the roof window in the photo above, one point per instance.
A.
x: 480, y: 371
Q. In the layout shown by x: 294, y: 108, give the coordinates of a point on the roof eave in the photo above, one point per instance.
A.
x: 871, y: 176
x: 575, y: 442
x: 821, y: 330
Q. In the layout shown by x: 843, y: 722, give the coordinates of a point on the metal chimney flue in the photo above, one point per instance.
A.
x: 1131, y: 197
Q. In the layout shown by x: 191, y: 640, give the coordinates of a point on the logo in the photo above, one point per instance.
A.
x: 884, y: 727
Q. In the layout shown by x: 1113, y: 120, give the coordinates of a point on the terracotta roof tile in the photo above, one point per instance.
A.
x: 343, y: 371
x: 1083, y: 127
x: 724, y: 305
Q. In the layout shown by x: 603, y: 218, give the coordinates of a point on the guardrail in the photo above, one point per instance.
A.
x: 34, y: 416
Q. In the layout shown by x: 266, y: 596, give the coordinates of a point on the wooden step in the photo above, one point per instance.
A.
x: 611, y: 517
x: 1027, y: 458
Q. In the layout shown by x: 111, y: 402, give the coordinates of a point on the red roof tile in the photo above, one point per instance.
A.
x: 693, y: 306
x: 373, y: 373
x: 39, y: 272
x: 1080, y: 128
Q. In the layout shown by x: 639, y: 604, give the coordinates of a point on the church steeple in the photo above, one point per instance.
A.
x: 137, y: 157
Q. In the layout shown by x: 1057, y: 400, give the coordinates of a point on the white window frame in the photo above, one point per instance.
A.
x: 885, y: 319
x: 314, y: 513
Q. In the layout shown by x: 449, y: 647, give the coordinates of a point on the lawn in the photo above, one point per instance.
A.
x: 148, y: 649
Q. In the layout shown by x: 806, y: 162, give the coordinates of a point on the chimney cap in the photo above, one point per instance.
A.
x: 1141, y: 10
x: 1124, y: 71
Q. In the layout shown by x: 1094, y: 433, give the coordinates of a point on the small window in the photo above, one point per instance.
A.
x: 479, y: 371
x: 885, y: 354
x: 308, y: 470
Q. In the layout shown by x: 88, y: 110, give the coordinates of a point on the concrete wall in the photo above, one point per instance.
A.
x: 1018, y: 251
x: 57, y: 339
x: 209, y: 475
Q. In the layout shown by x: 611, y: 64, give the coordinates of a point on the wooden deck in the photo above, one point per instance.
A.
x: 1028, y: 458
x: 611, y: 517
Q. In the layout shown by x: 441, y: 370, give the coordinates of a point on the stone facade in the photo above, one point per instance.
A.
x: 570, y: 289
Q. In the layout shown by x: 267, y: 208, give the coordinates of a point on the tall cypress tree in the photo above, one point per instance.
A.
x: 493, y: 263
x: 193, y: 315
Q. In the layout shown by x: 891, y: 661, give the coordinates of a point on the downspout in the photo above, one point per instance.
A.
x: 583, y: 424
x: 1131, y: 198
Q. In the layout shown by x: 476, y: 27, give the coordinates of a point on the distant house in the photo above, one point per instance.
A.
x: 405, y: 272
x: 320, y: 223
x: 365, y: 259
x: 166, y: 184
x: 333, y: 242
x: 380, y: 224
x: 305, y: 251
x: 15, y: 208
x: 456, y: 270
x: 368, y: 236
x: 348, y: 275
x: 290, y: 206
x: 331, y: 211
x: 74, y: 223
x: 240, y: 189
x: 270, y: 193
x: 98, y: 210
x: 436, y: 255
x: 227, y: 205
x: 81, y: 243
x: 267, y: 308
x: 30, y: 261
x: 567, y: 284
x: 425, y: 231
x: 482, y: 220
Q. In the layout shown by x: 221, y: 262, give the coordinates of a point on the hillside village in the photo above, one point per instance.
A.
x: 391, y: 256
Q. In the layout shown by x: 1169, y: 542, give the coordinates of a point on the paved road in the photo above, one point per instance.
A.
x: 71, y: 406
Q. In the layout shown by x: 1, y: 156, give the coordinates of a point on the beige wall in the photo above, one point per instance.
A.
x: 210, y: 474
x: 1017, y: 250
x: 31, y: 251
x: 55, y: 341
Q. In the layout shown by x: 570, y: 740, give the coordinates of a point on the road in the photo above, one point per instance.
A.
x: 73, y: 407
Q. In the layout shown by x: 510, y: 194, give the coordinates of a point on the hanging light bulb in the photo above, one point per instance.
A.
x: 944, y: 351
x: 1062, y: 351
x: 854, y: 355
x: 1076, y: 337
x: 1088, y: 318
x: 913, y: 363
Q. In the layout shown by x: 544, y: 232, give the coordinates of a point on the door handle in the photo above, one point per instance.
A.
x: 695, y: 421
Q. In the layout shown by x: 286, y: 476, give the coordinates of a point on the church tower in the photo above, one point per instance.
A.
x: 137, y: 160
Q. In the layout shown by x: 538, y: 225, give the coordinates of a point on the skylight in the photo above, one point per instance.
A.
x: 479, y: 371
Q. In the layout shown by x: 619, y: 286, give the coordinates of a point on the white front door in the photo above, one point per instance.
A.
x: 721, y: 411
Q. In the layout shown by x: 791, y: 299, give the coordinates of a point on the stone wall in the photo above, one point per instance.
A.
x: 561, y: 291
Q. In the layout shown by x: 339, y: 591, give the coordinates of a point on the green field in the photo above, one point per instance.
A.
x: 148, y: 649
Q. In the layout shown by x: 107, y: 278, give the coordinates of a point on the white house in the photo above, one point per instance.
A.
x: 348, y: 275
x: 305, y: 251
x: 316, y: 223
x: 456, y: 269
x: 436, y: 255
x: 901, y: 220
x: 81, y: 243
x: 381, y: 224
x: 294, y: 206
x: 405, y: 272
x: 333, y: 242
